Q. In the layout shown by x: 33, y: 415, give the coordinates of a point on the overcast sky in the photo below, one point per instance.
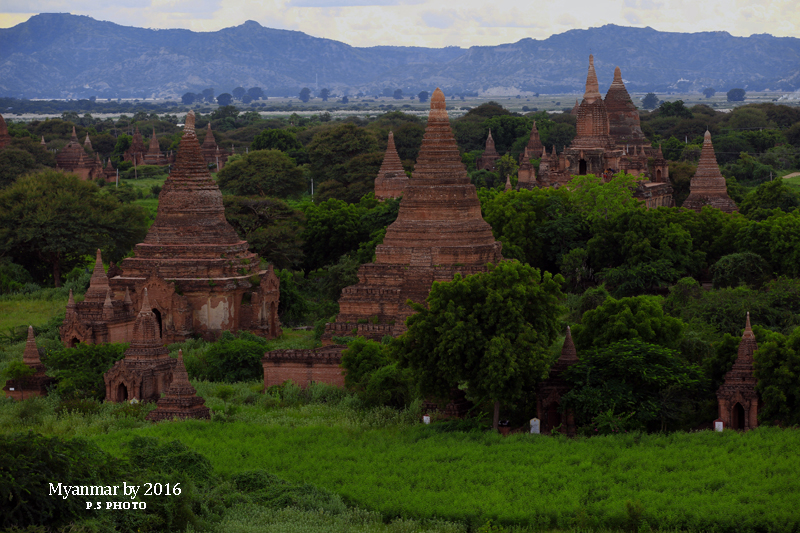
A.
x: 427, y: 22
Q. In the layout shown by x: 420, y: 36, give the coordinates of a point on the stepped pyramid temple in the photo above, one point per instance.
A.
x: 147, y: 369
x: 181, y: 400
x: 439, y: 231
x: 154, y: 155
x: 73, y: 158
x: 35, y: 385
x: 708, y: 186
x: 550, y: 391
x: 737, y: 397
x: 212, y: 153
x: 488, y: 160
x: 609, y: 140
x: 135, y: 154
x: 5, y: 138
x: 201, y: 278
x: 391, y: 178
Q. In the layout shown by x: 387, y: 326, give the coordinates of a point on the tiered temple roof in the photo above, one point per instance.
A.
x: 137, y: 150
x: 73, y: 158
x: 708, y: 185
x: 439, y: 231
x: 154, y: 155
x: 534, y: 146
x: 392, y: 177
x: 488, y: 160
x: 592, y: 128
x: 623, y: 117
x: 212, y: 153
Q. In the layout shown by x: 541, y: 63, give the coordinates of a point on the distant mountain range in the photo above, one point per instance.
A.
x: 68, y: 56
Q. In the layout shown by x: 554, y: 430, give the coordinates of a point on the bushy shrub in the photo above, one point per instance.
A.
x: 233, y: 359
x: 79, y: 370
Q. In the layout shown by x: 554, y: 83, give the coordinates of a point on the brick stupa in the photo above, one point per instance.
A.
x: 34, y: 385
x: 73, y: 158
x: 181, y: 400
x: 737, y: 398
x: 550, y: 391
x: 137, y: 150
x: 392, y: 177
x: 623, y: 117
x: 534, y: 146
x: 212, y: 153
x: 154, y: 156
x: 201, y: 278
x: 439, y: 231
x: 488, y: 160
x: 708, y: 186
x: 5, y: 138
x: 147, y: 369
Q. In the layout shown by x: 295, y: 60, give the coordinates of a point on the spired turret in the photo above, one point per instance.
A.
x: 180, y: 401
x: 392, y: 177
x: 708, y: 186
x: 737, y: 398
x: 489, y: 157
x: 592, y: 124
x: 33, y: 385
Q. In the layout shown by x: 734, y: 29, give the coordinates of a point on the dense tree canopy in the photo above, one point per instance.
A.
x: 263, y: 173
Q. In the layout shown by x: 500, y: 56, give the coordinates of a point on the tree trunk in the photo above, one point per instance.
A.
x: 56, y: 271
x: 496, y: 421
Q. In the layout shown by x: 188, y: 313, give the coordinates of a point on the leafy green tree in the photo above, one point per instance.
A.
x: 735, y: 269
x: 79, y: 370
x: 374, y: 375
x: 324, y: 93
x: 507, y: 169
x: 637, y: 317
x: 255, y: 93
x: 224, y: 99
x: 13, y: 164
x: 52, y: 220
x: 233, y: 359
x: 650, y: 101
x: 293, y: 306
x: 776, y: 239
x: 305, y: 94
x: 597, y: 200
x: 332, y: 153
x: 709, y: 92
x: 423, y: 96
x: 775, y: 194
x: 398, y: 94
x: 208, y: 95
x: 283, y: 140
x: 632, y: 377
x: 777, y: 367
x: 270, y: 226
x: 490, y: 331
x: 263, y: 173
x: 239, y: 92
x: 736, y: 95
x: 19, y: 372
x: 560, y: 136
x: 188, y: 98
x: 674, y: 109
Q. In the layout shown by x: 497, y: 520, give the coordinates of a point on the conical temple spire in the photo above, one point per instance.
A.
x: 747, y: 346
x: 43, y: 143
x: 592, y: 87
x: 209, y: 140
x: 71, y: 300
x: 189, y: 122
x: 391, y: 179
x: 154, y: 148
x: 31, y: 354
x: 98, y: 284
x: 748, y: 331
x: 569, y: 354
x: 74, y: 135
x: 145, y: 303
x: 180, y: 378
x: 127, y: 300
x: 708, y: 186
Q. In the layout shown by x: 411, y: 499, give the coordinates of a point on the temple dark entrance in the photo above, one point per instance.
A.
x: 553, y: 417
x: 157, y: 314
x: 582, y: 167
x: 737, y: 416
x: 122, y: 393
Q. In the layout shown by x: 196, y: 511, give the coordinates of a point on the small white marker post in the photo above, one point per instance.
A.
x: 426, y: 419
x: 719, y: 425
x: 534, y: 426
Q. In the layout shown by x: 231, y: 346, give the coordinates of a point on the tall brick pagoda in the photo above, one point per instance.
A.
x: 488, y: 160
x: 392, y: 177
x: 550, y: 391
x: 623, y: 117
x: 35, y: 385
x: 201, y: 278
x: 137, y: 150
x: 181, y: 400
x: 708, y: 186
x: 534, y: 146
x: 439, y: 231
x: 147, y: 369
x: 737, y: 397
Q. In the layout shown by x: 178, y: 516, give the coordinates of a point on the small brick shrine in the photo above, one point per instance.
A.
x: 35, y: 385
x: 181, y: 400
x: 737, y: 398
x: 550, y: 391
x: 147, y: 369
x: 391, y: 179
x: 708, y: 187
x: 73, y: 158
x: 488, y: 159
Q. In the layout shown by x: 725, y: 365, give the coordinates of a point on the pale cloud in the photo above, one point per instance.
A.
x: 425, y: 22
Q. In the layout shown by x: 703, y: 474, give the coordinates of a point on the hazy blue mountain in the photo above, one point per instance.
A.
x: 62, y: 55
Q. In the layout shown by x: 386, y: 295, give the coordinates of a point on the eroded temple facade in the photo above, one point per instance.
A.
x: 737, y: 398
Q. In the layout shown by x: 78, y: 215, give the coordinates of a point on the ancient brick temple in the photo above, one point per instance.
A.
x: 737, y: 397
x: 439, y: 231
x: 201, y: 278
x: 5, y: 138
x: 550, y: 391
x: 154, y: 156
x: 708, y: 186
x: 181, y: 400
x: 73, y: 158
x: 35, y: 385
x: 392, y: 177
x: 137, y: 150
x: 488, y: 160
x: 609, y: 140
x: 147, y: 369
x: 212, y: 153
x: 304, y: 366
x: 534, y: 146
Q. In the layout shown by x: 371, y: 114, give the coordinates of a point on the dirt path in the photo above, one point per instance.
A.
x: 792, y: 175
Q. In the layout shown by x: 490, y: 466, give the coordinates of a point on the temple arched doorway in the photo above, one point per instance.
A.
x: 122, y: 393
x: 582, y: 167
x: 74, y: 341
x: 737, y: 416
x: 553, y: 416
x: 157, y: 314
x: 658, y: 174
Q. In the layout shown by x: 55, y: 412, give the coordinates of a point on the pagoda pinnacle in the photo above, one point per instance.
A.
x: 592, y: 87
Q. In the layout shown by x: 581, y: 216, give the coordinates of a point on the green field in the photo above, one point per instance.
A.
x: 28, y: 312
